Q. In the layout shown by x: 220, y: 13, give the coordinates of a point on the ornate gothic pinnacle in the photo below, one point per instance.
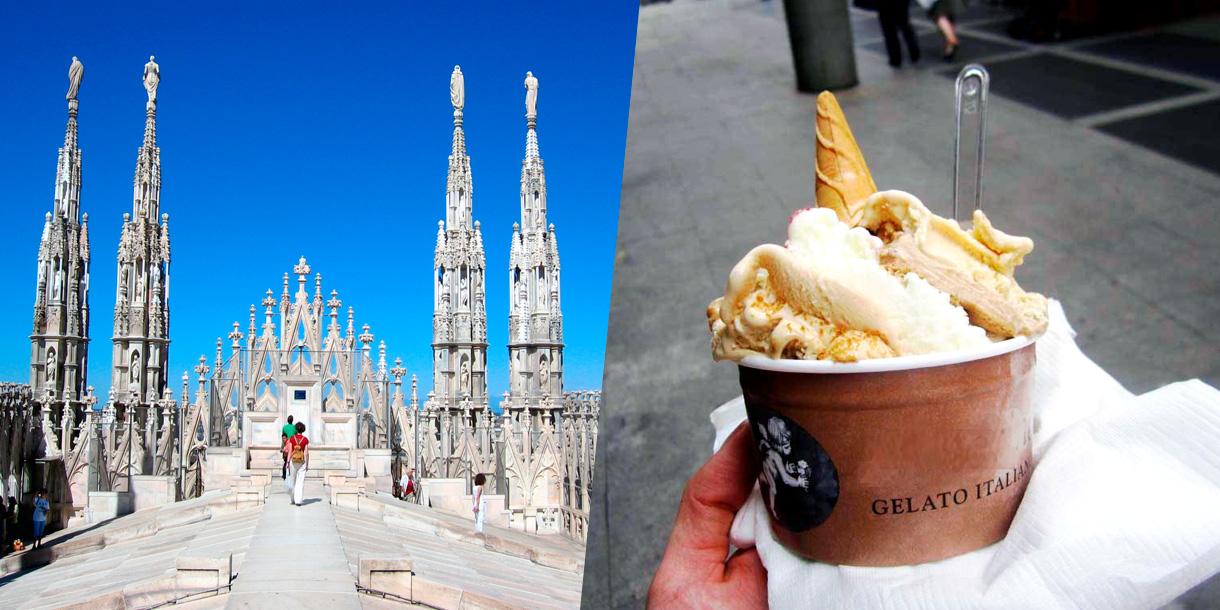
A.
x: 202, y: 369
x: 365, y: 337
x: 268, y: 302
x: 398, y: 371
x: 235, y: 335
x: 334, y: 302
x: 185, y: 401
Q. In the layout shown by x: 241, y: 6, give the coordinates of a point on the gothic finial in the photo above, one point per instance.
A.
x: 152, y: 78
x: 76, y: 73
x: 365, y: 337
x: 202, y: 369
x: 531, y: 99
x: 186, y: 389
x: 457, y: 93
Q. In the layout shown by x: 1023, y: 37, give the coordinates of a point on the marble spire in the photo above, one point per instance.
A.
x: 60, y: 336
x: 535, y: 319
x: 459, y: 342
x: 141, y: 311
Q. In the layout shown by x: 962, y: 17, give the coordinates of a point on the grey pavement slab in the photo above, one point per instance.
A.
x: 1072, y: 88
x: 1168, y: 50
x: 720, y: 153
x: 971, y: 49
x: 1194, y: 128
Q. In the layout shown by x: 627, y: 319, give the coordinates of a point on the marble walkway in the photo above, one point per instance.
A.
x: 304, y: 556
x: 295, y: 557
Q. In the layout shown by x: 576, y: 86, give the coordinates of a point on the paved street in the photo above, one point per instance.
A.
x: 1093, y: 151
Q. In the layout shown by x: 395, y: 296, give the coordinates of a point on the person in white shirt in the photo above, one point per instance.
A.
x: 480, y: 502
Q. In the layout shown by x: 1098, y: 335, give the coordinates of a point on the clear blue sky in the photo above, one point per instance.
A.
x: 310, y: 128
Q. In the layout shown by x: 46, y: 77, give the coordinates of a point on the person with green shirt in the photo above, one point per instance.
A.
x: 287, y: 432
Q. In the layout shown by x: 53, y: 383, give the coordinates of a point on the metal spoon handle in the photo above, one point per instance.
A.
x: 971, y: 111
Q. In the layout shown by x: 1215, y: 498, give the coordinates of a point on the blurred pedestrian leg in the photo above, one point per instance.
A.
x: 944, y: 13
x: 895, y: 17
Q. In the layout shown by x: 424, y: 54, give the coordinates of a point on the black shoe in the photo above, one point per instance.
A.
x: 950, y: 52
x: 915, y: 55
x: 895, y: 64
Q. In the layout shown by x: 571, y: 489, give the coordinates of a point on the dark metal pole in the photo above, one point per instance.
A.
x: 822, y: 53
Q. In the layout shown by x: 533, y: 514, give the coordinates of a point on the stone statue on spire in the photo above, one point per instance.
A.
x: 531, y: 95
x: 457, y: 88
x: 76, y: 72
x: 152, y: 78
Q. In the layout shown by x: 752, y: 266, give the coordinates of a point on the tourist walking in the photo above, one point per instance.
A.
x: 41, y: 506
x: 406, y: 485
x: 286, y: 432
x: 12, y: 516
x: 895, y: 17
x: 297, y: 450
x: 480, y: 502
x: 944, y: 13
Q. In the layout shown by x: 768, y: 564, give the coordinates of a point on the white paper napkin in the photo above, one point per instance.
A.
x: 1122, y: 510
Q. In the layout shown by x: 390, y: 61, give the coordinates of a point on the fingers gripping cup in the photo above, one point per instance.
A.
x: 893, y: 461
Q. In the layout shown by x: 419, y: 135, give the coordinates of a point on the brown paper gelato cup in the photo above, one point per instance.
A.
x: 892, y: 461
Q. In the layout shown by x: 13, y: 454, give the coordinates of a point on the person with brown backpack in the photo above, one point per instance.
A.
x: 297, y: 452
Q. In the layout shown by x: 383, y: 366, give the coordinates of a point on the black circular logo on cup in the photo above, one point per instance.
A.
x: 799, y: 482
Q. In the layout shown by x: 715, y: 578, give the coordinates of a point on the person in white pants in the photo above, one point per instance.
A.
x: 480, y: 502
x: 298, y: 463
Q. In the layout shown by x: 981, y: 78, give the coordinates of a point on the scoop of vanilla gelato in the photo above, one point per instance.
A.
x: 825, y: 295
